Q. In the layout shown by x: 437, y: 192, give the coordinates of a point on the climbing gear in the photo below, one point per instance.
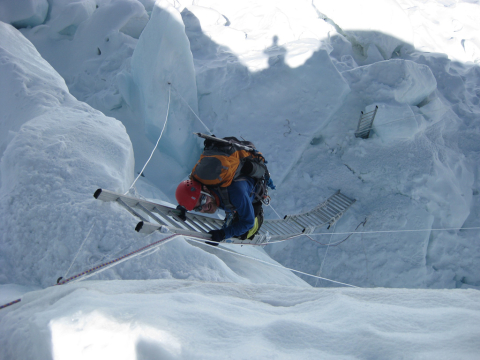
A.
x: 188, y: 193
x: 229, y: 159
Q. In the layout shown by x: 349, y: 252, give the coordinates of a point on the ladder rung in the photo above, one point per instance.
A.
x: 341, y: 202
x: 135, y: 213
x: 152, y: 215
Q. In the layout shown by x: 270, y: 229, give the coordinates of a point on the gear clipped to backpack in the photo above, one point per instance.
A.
x: 226, y: 160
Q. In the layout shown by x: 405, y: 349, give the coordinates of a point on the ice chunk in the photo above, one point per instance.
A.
x: 23, y: 13
x: 402, y: 81
x: 163, y: 56
x: 379, y: 23
x: 394, y: 122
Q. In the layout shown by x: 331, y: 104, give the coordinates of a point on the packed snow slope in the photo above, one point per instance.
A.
x: 86, y: 88
x: 174, y: 319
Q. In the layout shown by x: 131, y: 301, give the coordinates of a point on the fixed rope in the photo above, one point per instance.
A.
x: 326, y: 252
x: 274, y: 265
x: 193, y: 112
x: 156, y: 145
x: 80, y: 248
x: 102, y: 267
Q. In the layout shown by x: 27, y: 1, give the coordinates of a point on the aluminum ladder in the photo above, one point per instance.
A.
x: 365, y: 123
x: 155, y: 217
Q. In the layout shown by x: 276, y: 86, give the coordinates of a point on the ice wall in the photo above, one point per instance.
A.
x: 162, y: 77
x: 55, y: 152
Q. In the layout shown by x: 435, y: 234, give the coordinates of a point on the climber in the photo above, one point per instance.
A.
x: 243, y: 218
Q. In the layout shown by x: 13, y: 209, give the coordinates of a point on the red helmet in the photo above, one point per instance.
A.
x: 188, y: 193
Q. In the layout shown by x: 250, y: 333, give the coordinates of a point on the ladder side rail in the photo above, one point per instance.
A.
x: 359, y: 120
x: 106, y: 195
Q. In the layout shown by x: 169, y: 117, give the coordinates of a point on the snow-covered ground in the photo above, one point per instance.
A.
x: 84, y: 91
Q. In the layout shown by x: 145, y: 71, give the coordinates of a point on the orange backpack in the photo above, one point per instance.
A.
x: 222, y: 161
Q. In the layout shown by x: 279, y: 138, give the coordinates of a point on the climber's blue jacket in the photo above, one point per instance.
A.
x: 241, y: 193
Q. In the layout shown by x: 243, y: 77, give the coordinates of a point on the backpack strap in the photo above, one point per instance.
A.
x: 223, y: 192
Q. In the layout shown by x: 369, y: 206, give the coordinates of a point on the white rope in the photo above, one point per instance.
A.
x: 398, y: 231
x: 266, y: 262
x: 325, y: 256
x: 185, y: 101
x: 371, y: 232
x: 78, y: 252
x: 271, y: 207
x: 155, y: 148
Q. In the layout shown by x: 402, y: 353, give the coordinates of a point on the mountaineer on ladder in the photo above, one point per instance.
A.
x: 230, y: 175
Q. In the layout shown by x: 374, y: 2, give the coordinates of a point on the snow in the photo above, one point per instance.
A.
x: 397, y: 80
x: 84, y: 96
x: 173, y: 319
x: 374, y: 27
